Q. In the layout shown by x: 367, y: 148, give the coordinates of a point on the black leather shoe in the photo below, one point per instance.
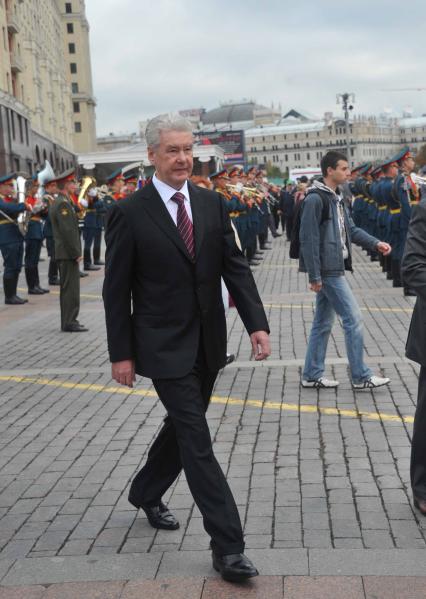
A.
x: 409, y: 292
x: 15, y: 300
x: 91, y: 267
x: 54, y: 281
x: 98, y: 263
x: 35, y: 291
x: 158, y: 516
x: 42, y: 289
x: 235, y: 567
x: 75, y: 328
x: 420, y: 504
x: 83, y: 274
x: 254, y: 263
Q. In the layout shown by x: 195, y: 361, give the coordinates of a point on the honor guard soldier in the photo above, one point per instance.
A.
x: 359, y: 207
x: 67, y: 251
x: 393, y: 215
x: 115, y: 183
x: 11, y: 239
x: 381, y: 216
x: 50, y: 189
x: 34, y: 240
x: 408, y: 195
x: 130, y: 183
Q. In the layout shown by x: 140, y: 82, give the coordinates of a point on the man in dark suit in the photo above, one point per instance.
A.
x: 414, y: 276
x: 168, y: 245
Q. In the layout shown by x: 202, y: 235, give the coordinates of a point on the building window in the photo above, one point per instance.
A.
x: 68, y: 7
x: 73, y: 67
x: 77, y: 127
x: 74, y: 88
x: 21, y: 131
x: 76, y: 106
x: 70, y: 27
x: 71, y: 48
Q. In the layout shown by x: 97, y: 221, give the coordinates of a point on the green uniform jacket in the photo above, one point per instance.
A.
x: 65, y: 229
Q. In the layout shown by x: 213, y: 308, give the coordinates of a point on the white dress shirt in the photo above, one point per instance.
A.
x: 166, y: 192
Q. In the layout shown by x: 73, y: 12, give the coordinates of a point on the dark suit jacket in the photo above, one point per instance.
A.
x: 157, y: 298
x: 66, y: 234
x: 414, y: 275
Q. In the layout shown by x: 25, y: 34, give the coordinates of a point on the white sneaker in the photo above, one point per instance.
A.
x: 321, y: 383
x: 372, y: 383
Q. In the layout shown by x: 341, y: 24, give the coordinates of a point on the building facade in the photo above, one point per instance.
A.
x: 36, y: 104
x: 300, y: 143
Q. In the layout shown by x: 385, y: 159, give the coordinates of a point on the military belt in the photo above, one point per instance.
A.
x: 90, y: 210
x: 36, y: 219
x: 382, y: 208
x: 414, y: 202
x: 358, y: 196
x: 395, y: 211
x: 6, y: 222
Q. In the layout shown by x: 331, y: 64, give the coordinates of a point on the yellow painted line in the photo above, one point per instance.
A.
x: 84, y: 295
x: 269, y: 405
x: 311, y: 305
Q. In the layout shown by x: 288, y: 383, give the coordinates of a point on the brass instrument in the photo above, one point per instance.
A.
x: 248, y: 191
x: 83, y: 203
x: 418, y: 179
x: 25, y: 216
x: 44, y: 200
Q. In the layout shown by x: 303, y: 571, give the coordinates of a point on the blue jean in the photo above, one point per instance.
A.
x: 336, y: 297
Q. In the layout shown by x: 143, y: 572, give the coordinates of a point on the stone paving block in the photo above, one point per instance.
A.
x: 75, y: 569
x: 262, y: 587
x: 86, y: 590
x: 386, y: 587
x: 32, y: 592
x: 182, y: 588
x: 367, y: 562
x: 323, y: 587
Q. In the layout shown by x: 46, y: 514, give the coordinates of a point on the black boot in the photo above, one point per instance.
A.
x: 37, y: 278
x: 388, y: 264
x: 53, y: 272
x: 10, y: 297
x: 409, y: 292
x: 396, y: 273
x: 97, y: 256
x: 88, y: 262
x: 32, y: 282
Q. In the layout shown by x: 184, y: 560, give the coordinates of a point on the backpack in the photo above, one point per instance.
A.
x: 297, y: 219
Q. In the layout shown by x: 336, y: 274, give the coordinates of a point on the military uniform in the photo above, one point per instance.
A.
x: 66, y: 235
x: 11, y: 240
x: 33, y: 244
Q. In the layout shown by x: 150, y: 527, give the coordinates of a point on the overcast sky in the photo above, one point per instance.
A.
x: 154, y: 56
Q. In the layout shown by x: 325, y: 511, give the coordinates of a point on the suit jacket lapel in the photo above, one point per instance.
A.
x: 197, y: 217
x: 155, y: 207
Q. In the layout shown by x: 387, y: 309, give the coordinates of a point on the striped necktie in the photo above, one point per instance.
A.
x: 184, y: 224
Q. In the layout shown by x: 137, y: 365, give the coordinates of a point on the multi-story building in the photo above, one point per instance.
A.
x: 36, y: 105
x: 300, y: 142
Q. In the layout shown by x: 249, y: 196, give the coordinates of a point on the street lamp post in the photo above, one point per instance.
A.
x: 347, y: 101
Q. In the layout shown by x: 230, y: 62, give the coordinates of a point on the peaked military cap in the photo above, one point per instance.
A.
x: 222, y: 173
x: 235, y: 171
x: 8, y: 178
x: 402, y: 155
x: 67, y: 175
x: 114, y: 176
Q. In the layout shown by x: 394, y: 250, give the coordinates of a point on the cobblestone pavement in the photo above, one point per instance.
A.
x: 321, y: 478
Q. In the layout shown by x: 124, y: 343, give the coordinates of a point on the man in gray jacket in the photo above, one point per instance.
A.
x: 414, y: 276
x: 326, y: 233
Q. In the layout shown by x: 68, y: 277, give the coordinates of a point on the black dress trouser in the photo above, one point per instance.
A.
x: 184, y: 442
x: 418, y: 443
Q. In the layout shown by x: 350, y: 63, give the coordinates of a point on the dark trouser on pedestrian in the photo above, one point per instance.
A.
x: 418, y: 442
x: 184, y: 442
x: 69, y: 292
x: 32, y: 257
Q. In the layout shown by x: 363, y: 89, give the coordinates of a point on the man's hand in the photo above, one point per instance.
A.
x: 383, y: 248
x: 124, y: 372
x: 260, y: 344
x: 79, y: 259
x: 316, y: 286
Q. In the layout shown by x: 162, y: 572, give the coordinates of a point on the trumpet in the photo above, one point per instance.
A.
x: 418, y: 179
x: 24, y: 217
x: 248, y: 191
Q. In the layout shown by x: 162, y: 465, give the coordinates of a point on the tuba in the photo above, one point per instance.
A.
x: 86, y: 184
x: 24, y: 217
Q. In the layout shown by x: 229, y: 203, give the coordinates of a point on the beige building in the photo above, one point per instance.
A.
x: 37, y: 118
x: 298, y: 142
